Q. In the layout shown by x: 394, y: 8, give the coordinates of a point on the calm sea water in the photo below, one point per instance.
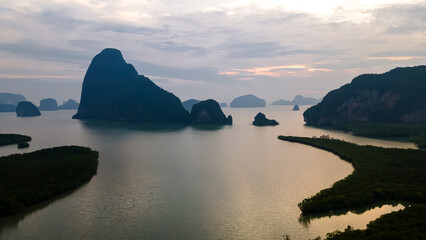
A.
x: 176, y: 182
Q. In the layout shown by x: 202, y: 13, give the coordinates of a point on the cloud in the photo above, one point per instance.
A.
x: 402, y: 18
x: 273, y: 71
x: 34, y: 50
x: 395, y: 58
x: 123, y: 28
x: 170, y: 46
x: 88, y: 43
x: 3, y: 76
x: 193, y: 74
x: 216, y: 42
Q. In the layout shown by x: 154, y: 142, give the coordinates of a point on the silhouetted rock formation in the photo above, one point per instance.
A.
x: 394, y: 96
x: 298, y: 100
x: 69, y: 105
x: 113, y: 90
x: 296, y: 108
x: 261, y: 120
x: 12, y: 99
x: 209, y: 112
x: 48, y: 104
x: 189, y: 103
x: 224, y: 105
x: 27, y: 109
x: 247, y: 101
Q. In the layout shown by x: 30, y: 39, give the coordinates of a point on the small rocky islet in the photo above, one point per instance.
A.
x: 261, y: 120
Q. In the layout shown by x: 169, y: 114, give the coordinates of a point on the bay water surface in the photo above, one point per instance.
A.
x: 167, y: 181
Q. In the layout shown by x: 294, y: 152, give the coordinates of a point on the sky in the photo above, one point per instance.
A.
x: 209, y: 49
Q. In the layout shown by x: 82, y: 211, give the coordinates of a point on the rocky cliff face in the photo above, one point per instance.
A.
x: 27, y: 109
x: 209, y: 112
x: 113, y: 90
x: 395, y: 96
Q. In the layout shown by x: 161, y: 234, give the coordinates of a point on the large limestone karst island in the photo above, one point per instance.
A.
x: 209, y: 112
x: 113, y: 90
x: 397, y: 96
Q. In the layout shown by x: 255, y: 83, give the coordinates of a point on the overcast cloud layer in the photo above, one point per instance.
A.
x: 209, y: 49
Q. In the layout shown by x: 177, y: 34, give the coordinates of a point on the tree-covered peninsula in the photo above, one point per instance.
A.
x: 381, y: 174
x: 29, y: 178
x: 9, y: 138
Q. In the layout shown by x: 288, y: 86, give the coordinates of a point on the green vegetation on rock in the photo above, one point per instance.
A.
x: 415, y: 132
x: 8, y: 139
x: 404, y: 224
x: 381, y: 174
x: 23, y: 145
x: 29, y: 178
x: 397, y: 96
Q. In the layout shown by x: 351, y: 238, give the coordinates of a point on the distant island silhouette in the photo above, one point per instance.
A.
x: 298, y: 100
x: 189, y: 103
x: 48, y: 104
x: 69, y: 105
x: 247, y: 101
x: 9, y: 101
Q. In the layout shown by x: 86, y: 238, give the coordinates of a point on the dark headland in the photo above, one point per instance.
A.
x: 387, y: 105
x: 397, y: 96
